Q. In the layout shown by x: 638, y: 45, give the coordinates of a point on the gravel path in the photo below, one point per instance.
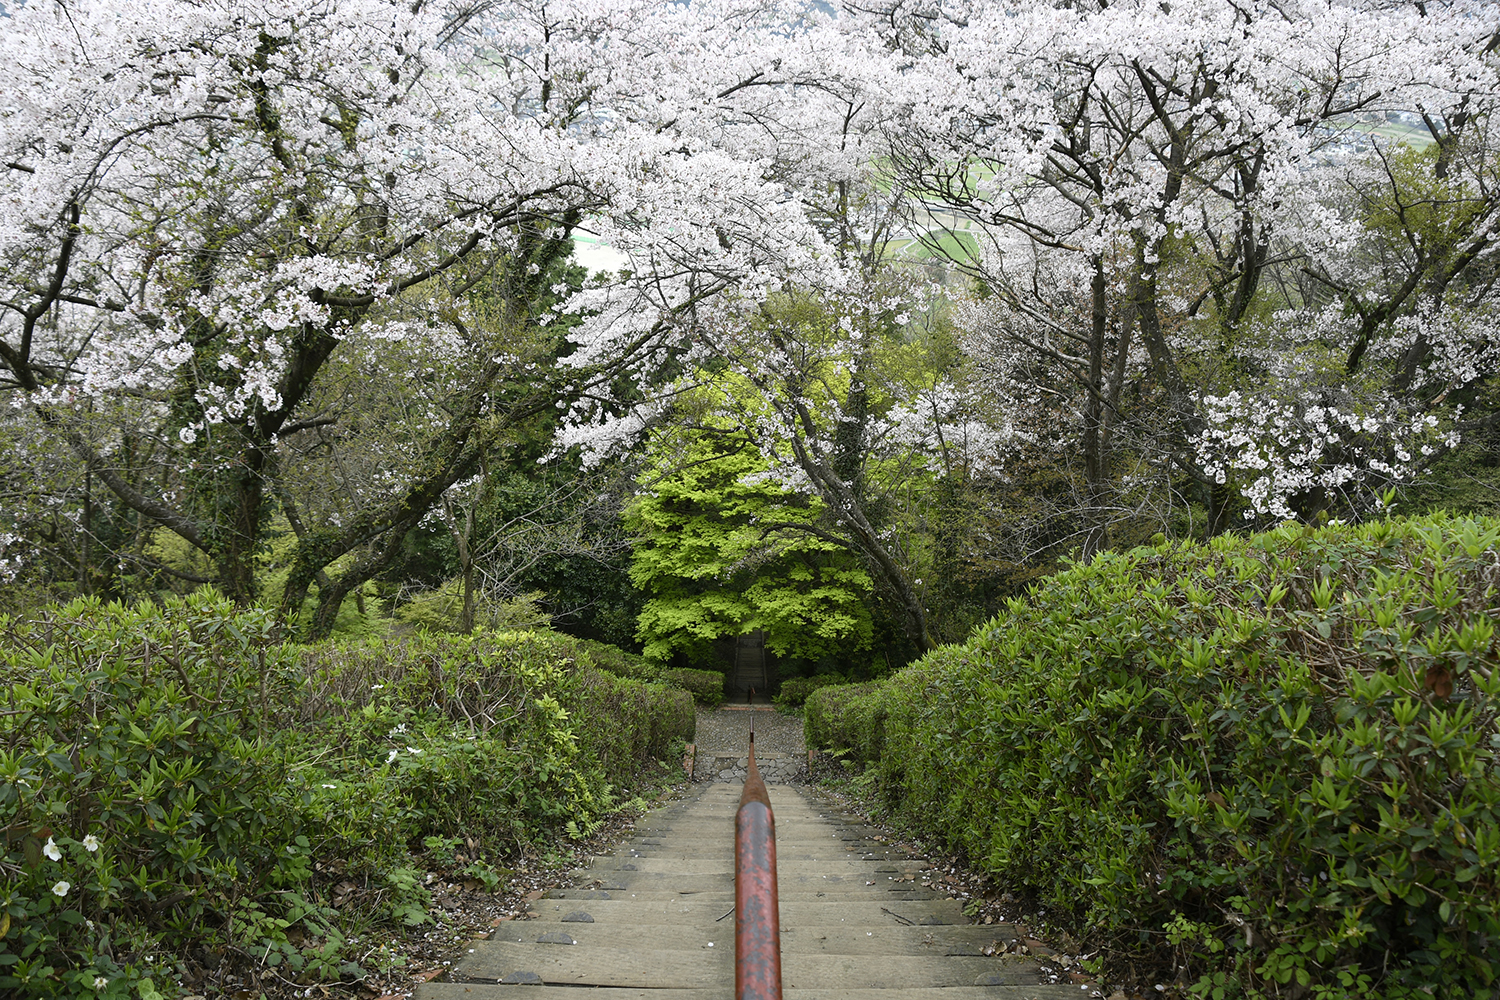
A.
x: 729, y: 729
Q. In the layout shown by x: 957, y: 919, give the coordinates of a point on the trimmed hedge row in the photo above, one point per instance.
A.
x: 173, y: 778
x: 1269, y: 764
x: 794, y: 690
x: 706, y: 686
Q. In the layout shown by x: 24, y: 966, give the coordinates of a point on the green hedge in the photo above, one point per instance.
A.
x: 172, y: 778
x: 706, y: 686
x: 541, y: 739
x: 1268, y: 765
x: 794, y: 690
x: 850, y: 717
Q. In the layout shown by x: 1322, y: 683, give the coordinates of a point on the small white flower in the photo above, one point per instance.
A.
x: 61, y: 888
x: 91, y: 843
x: 413, y: 751
x: 100, y: 983
x: 398, y: 730
x: 188, y: 435
x: 330, y: 786
x: 52, y: 851
x: 394, y: 754
x: 376, y: 687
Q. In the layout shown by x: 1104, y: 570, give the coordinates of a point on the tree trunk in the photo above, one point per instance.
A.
x: 1095, y: 460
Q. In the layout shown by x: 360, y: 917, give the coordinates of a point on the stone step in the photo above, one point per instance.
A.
x: 784, y: 852
x: 965, y: 939
x: 849, y: 913
x: 787, y: 881
x: 784, y: 866
x: 868, y: 893
x: 713, y: 825
x: 482, y: 991
x: 703, y: 967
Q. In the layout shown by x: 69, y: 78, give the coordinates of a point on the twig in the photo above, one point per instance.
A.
x: 898, y: 916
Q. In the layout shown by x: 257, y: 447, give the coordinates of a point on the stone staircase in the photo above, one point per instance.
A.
x: 655, y: 921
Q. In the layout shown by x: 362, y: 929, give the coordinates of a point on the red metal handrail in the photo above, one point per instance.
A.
x: 757, y: 925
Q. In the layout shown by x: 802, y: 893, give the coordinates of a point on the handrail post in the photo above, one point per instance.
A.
x: 757, y: 925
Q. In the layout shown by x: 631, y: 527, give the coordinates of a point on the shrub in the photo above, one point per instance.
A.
x: 138, y: 794
x: 614, y: 660
x: 794, y: 690
x: 706, y: 686
x: 173, y: 778
x: 1276, y: 756
x: 850, y: 717
x: 530, y: 737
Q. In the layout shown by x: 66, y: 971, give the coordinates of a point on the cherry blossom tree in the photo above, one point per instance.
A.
x: 205, y: 204
x: 1173, y: 203
x: 1201, y: 269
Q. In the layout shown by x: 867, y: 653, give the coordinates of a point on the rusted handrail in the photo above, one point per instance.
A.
x: 757, y: 926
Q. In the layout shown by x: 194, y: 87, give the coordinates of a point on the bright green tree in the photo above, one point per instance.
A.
x: 717, y: 556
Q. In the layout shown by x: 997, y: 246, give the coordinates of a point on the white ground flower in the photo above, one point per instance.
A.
x: 52, y: 851
x: 61, y: 888
x: 91, y: 843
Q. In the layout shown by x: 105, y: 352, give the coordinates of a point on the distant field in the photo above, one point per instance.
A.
x: 937, y: 244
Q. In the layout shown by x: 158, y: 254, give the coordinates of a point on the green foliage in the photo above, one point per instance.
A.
x: 138, y: 798
x: 438, y: 610
x: 794, y: 690
x: 515, y: 734
x: 174, y: 778
x: 612, y: 659
x: 848, y: 717
x: 1282, y: 751
x: 721, y: 553
x: 360, y: 615
x: 706, y: 686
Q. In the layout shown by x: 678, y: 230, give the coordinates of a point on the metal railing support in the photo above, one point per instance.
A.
x: 757, y: 930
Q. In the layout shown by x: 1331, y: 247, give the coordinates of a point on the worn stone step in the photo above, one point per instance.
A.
x: 787, y: 881
x: 482, y: 991
x: 821, y: 834
x: 870, y: 893
x: 902, y: 912
x: 704, y: 967
x: 785, y: 831
x: 964, y: 939
x: 784, y: 866
x: 784, y: 852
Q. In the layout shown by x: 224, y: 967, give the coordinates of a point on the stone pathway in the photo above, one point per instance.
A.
x: 655, y: 921
x: 731, y: 766
x: 723, y: 741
